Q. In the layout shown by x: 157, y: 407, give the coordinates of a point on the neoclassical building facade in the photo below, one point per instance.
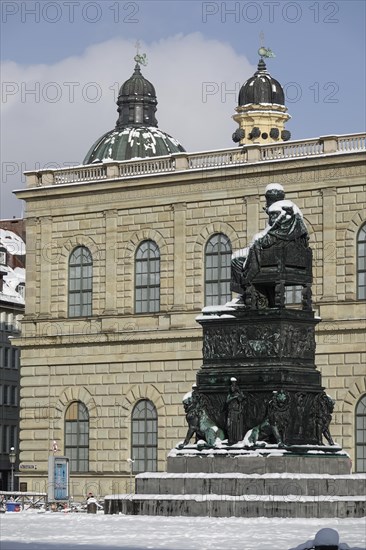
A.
x: 122, y: 255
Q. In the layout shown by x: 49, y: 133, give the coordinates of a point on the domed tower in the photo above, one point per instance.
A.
x: 261, y: 112
x: 136, y: 134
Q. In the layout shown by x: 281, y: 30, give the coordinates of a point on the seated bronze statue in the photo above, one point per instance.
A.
x: 278, y: 257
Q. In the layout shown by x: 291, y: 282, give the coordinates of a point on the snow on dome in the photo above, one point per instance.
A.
x: 261, y: 88
x: 133, y: 143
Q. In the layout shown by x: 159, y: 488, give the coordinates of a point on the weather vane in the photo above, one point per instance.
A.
x: 264, y: 52
x: 140, y: 57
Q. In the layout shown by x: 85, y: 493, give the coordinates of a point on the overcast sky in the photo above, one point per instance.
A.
x: 63, y: 62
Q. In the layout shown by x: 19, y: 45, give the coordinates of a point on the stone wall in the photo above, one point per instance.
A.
x: 114, y: 358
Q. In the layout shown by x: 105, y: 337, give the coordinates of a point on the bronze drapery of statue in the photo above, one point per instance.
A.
x: 235, y: 411
x: 278, y: 257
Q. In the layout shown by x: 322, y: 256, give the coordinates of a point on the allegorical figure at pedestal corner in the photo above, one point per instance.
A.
x: 235, y: 421
x: 277, y: 257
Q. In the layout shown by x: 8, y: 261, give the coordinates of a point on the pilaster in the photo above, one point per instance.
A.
x: 31, y: 289
x: 179, y: 255
x: 46, y: 258
x: 252, y: 205
x: 329, y: 244
x: 110, y: 262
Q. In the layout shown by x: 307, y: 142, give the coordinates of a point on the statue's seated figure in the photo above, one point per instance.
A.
x: 278, y: 257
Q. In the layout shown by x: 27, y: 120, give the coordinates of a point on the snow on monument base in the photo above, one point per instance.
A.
x: 269, y: 483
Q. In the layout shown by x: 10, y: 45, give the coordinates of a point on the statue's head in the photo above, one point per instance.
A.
x: 281, y: 397
x: 273, y: 216
x: 274, y: 193
x: 329, y: 401
x: 233, y: 382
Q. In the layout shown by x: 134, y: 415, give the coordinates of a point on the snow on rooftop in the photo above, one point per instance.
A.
x: 12, y: 278
x: 12, y: 242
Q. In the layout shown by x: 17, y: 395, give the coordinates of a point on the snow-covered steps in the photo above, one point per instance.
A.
x: 239, y: 482
x: 305, y: 460
x: 251, y: 505
x: 247, y: 495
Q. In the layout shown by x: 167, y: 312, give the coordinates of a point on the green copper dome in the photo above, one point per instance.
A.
x: 136, y: 134
x: 130, y: 143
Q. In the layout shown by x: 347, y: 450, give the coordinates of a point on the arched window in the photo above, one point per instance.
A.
x: 361, y: 263
x: 361, y: 435
x: 147, y: 278
x: 77, y: 436
x: 80, y: 282
x: 144, y: 437
x: 217, y: 270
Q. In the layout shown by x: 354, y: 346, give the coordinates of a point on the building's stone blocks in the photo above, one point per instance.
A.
x: 164, y: 350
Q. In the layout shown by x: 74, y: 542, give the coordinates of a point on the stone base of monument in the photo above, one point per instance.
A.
x: 270, y: 482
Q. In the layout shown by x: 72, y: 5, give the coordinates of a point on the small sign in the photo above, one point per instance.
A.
x: 27, y: 466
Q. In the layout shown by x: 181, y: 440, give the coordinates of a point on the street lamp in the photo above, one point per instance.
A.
x: 131, y: 461
x: 12, y: 458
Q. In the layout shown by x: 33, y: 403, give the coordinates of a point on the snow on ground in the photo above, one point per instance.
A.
x: 59, y: 531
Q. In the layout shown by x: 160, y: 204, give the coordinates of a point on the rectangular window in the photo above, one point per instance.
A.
x: 217, y: 270
x: 6, y: 395
x: 361, y: 263
x: 293, y: 294
x: 14, y: 395
x: 80, y: 283
x: 14, y: 358
x: 6, y: 439
x: 6, y: 357
x: 13, y: 437
x: 147, y: 278
x: 21, y: 290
